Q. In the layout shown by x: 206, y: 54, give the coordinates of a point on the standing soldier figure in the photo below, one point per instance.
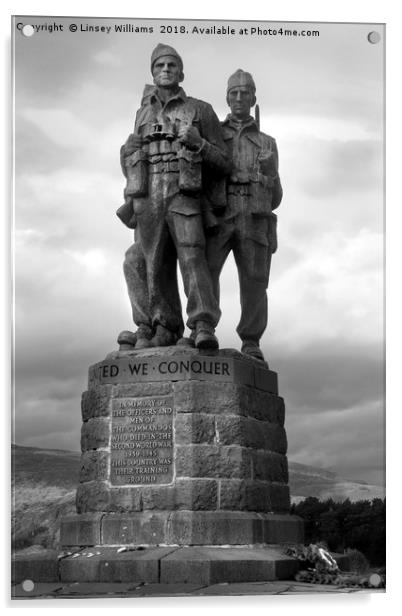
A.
x: 175, y: 162
x: 249, y: 226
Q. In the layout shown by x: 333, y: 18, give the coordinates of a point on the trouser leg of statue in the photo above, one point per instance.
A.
x: 163, y: 237
x: 253, y: 262
x: 152, y: 309
x: 202, y: 305
x: 157, y: 289
x: 217, y: 251
x: 135, y: 273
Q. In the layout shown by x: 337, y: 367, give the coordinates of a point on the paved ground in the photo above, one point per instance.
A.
x: 91, y: 589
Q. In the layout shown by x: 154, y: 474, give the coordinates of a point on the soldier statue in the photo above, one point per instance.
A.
x: 175, y: 163
x: 248, y: 227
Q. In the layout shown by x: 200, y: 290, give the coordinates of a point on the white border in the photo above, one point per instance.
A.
x: 386, y: 11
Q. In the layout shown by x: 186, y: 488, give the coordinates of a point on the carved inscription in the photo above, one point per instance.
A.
x: 142, y: 441
x: 176, y: 368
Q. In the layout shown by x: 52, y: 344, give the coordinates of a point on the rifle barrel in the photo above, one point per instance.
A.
x: 257, y: 116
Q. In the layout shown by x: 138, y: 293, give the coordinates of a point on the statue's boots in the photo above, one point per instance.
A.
x: 188, y: 342
x: 252, y: 348
x: 144, y: 337
x: 163, y: 337
x: 126, y: 340
x: 205, y: 336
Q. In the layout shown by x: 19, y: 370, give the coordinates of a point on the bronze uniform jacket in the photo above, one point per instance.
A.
x: 183, y: 109
x: 255, y: 165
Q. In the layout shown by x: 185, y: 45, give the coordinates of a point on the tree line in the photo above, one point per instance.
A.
x: 359, y: 525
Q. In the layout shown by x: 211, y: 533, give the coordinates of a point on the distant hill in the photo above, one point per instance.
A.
x: 54, y: 467
x: 311, y: 481
x: 45, y: 481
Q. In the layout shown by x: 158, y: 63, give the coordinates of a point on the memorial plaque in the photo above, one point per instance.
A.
x: 142, y: 441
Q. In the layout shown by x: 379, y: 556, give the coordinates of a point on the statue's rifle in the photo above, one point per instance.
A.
x: 257, y: 116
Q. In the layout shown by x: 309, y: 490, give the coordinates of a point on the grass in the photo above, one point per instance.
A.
x: 36, y: 515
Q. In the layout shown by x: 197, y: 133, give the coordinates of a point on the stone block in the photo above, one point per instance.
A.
x: 237, y: 494
x: 282, y: 529
x: 40, y: 590
x: 38, y: 567
x: 180, y: 527
x: 212, y: 461
x: 193, y: 494
x: 126, y: 499
x: 96, y: 402
x: 194, y: 428
x: 261, y: 405
x: 140, y: 390
x: 146, y: 528
x: 243, y: 372
x: 266, y: 380
x: 268, y: 466
x: 81, y: 529
x: 92, y: 590
x: 93, y: 378
x: 253, y: 495
x: 106, y: 564
x: 94, y: 465
x: 205, y: 397
x: 227, y: 398
x: 249, y: 432
x: 95, y: 433
x: 280, y: 497
x: 165, y: 590
x: 93, y: 496
x: 214, y: 528
x: 222, y: 565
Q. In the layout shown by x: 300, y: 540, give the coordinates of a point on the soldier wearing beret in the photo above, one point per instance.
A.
x: 175, y: 162
x: 248, y: 227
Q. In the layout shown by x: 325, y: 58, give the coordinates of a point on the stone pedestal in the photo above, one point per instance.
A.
x: 182, y: 448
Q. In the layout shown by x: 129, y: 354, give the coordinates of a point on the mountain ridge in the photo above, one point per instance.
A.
x: 45, y: 483
x: 60, y: 467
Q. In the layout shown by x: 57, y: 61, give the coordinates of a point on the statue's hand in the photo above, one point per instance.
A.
x: 267, y: 164
x: 133, y: 143
x: 190, y: 136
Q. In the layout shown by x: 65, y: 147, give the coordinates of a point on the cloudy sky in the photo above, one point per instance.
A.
x: 76, y: 94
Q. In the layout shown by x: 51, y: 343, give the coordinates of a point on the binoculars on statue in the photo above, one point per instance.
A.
x: 165, y: 130
x: 137, y: 164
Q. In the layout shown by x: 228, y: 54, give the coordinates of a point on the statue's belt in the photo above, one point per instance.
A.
x: 243, y: 190
x: 164, y: 166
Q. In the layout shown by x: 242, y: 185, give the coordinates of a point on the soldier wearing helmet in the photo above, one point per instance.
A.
x: 175, y: 162
x: 248, y: 227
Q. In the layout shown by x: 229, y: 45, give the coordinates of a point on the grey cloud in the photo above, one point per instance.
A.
x: 35, y: 153
x: 49, y: 423
x: 48, y: 67
x: 322, y: 378
x: 332, y: 168
x: 351, y: 443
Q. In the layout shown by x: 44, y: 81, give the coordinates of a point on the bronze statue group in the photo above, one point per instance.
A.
x: 196, y: 190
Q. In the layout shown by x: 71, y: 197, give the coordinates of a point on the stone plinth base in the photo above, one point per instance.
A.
x: 176, y: 429
x: 194, y: 528
x: 184, y: 475
x: 163, y: 565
